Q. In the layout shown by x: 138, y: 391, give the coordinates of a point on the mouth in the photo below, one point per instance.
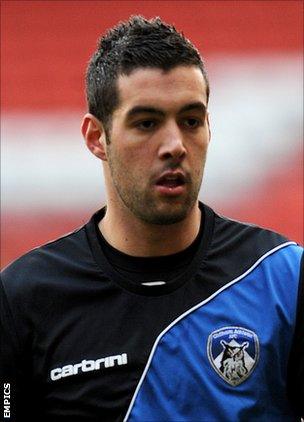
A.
x: 171, y: 183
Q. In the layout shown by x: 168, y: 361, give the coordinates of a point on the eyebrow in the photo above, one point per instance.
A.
x: 194, y: 106
x: 156, y: 111
x: 142, y: 109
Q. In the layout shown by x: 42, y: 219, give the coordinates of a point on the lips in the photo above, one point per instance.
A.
x: 171, y: 183
x: 171, y: 179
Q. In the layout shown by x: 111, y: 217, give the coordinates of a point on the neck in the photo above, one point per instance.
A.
x: 135, y: 237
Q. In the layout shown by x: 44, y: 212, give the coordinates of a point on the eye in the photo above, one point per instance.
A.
x: 146, y: 125
x: 192, y: 123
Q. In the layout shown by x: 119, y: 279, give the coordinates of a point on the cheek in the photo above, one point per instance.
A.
x: 131, y: 165
x: 198, y: 151
x: 129, y: 148
x: 199, y: 141
x: 197, y: 160
x: 139, y: 157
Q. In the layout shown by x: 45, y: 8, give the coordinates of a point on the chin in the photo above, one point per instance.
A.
x: 165, y: 217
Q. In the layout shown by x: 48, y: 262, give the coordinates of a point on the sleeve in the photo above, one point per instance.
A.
x: 9, y: 358
x: 15, y: 370
x: 295, y: 380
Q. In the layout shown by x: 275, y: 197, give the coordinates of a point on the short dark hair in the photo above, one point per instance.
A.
x: 136, y: 43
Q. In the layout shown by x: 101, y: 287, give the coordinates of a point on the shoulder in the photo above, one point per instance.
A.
x: 239, y: 246
x: 259, y: 240
x: 49, y: 263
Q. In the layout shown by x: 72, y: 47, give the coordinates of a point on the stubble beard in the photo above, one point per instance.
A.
x: 145, y: 204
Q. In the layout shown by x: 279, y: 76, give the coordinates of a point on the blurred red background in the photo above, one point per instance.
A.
x: 45, y: 48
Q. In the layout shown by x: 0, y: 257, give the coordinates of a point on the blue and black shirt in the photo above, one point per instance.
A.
x: 212, y: 333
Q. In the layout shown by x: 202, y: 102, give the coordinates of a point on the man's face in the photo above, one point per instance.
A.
x: 158, y: 142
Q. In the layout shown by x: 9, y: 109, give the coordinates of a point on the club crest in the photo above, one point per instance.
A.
x: 233, y: 353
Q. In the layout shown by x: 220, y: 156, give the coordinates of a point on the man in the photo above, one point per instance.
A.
x: 157, y: 309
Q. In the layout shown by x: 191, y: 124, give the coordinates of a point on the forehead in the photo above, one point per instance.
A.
x: 167, y: 90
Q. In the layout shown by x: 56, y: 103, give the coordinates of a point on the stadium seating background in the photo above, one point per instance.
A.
x: 253, y: 51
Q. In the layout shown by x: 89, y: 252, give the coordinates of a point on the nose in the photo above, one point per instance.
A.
x: 172, y: 144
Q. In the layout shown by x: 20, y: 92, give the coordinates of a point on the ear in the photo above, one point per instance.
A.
x: 94, y: 135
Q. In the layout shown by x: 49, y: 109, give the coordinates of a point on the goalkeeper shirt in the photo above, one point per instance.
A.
x: 212, y: 333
